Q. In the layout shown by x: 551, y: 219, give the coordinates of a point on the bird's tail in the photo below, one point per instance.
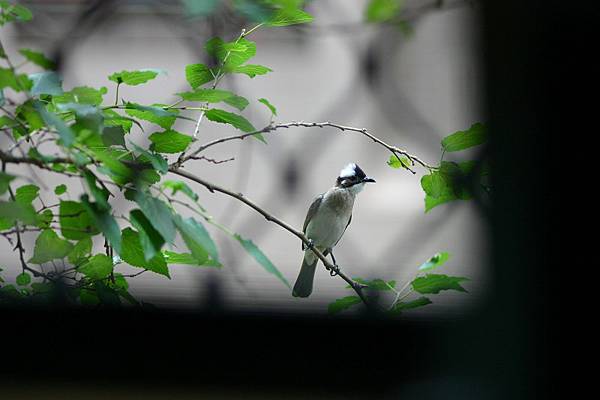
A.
x: 304, y: 283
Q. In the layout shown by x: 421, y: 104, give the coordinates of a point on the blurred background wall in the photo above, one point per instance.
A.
x: 408, y: 88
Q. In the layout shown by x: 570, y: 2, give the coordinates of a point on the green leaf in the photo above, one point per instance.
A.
x: 343, y: 304
x: 6, y: 121
x: 401, y: 306
x: 434, y: 283
x: 269, y: 105
x: 133, y: 254
x: 224, y: 117
x: 188, y: 259
x: 87, y: 117
x: 5, y: 180
x: 438, y: 185
x: 9, y: 292
x: 198, y: 74
x: 23, y: 279
x: 134, y: 78
x: 158, y: 213
x: 231, y: 54
x: 37, y: 58
x: 475, y: 135
x: 107, y: 296
x: 52, y: 120
x: 155, y: 114
x: 113, y: 136
x: 112, y: 118
x: 394, y: 162
x: 179, y: 186
x: 261, y: 258
x: 170, y: 141
x: 157, y: 161
x: 26, y: 194
x: 119, y: 283
x: 48, y: 247
x: 42, y: 288
x: 12, y: 211
x: 196, y: 238
x: 16, y: 82
x: 6, y: 222
x: 446, y: 184
x: 14, y: 12
x: 150, y: 239
x: 252, y: 70
x: 190, y: 226
x: 238, y: 102
x: 383, y: 10
x: 82, y: 95
x: 44, y: 219
x: 436, y: 261
x: 46, y: 83
x: 105, y: 222
x: 290, y: 16
x: 27, y: 112
x: 60, y: 189
x: 97, y: 267
x: 80, y: 252
x: 375, y: 284
x: 88, y: 297
x: 100, y: 194
x: 206, y: 95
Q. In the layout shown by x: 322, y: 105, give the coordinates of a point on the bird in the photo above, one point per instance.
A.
x: 327, y: 219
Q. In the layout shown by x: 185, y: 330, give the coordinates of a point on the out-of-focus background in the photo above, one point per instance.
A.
x: 409, y: 86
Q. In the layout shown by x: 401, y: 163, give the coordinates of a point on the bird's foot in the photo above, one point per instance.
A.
x: 311, y: 244
x: 335, y: 270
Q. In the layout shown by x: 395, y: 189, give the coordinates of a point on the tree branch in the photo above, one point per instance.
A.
x: 273, y: 127
x: 358, y: 288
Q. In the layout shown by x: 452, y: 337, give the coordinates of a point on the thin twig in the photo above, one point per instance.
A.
x: 212, y: 160
x: 273, y: 127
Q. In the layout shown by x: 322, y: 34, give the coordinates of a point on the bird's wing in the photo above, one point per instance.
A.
x: 311, y: 213
x: 349, y: 220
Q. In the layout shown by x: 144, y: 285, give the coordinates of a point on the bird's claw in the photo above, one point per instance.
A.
x: 311, y: 244
x: 334, y: 270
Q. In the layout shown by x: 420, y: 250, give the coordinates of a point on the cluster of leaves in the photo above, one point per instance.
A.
x: 13, y: 12
x: 453, y: 180
x: 281, y: 11
x: 424, y: 283
x: 272, y: 12
x: 89, y: 140
x: 448, y: 182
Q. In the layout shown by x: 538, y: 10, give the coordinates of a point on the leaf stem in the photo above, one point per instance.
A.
x: 117, y: 94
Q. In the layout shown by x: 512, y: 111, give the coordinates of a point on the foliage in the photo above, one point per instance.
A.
x: 422, y: 284
x: 93, y: 140
x: 82, y: 243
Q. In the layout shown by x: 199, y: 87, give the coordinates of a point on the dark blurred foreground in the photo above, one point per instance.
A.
x: 502, y: 352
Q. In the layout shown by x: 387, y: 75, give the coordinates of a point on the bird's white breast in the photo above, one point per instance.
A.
x: 329, y: 222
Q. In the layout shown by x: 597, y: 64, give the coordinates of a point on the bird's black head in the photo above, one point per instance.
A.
x: 352, y: 175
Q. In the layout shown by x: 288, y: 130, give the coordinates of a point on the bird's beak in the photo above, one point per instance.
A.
x: 367, y: 180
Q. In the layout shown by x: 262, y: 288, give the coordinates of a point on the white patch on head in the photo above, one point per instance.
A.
x: 348, y: 171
